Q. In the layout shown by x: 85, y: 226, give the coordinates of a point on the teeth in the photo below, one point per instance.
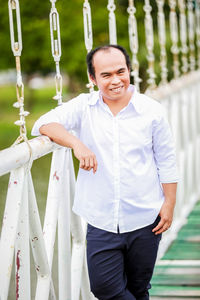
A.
x: 116, y: 89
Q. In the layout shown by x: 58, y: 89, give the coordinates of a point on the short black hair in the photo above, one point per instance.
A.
x: 90, y: 56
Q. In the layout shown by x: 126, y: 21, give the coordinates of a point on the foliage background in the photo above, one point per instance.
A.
x: 36, y: 54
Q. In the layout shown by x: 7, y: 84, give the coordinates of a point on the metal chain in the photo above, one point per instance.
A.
x: 87, y: 19
x: 56, y: 49
x: 112, y: 22
x: 133, y: 42
x: 183, y: 36
x: 87, y: 22
x: 197, y: 11
x: 162, y: 41
x: 174, y: 37
x: 191, y: 31
x: 16, y: 46
x: 149, y: 45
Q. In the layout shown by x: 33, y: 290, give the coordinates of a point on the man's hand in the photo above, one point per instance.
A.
x: 166, y: 215
x: 86, y: 157
x: 167, y: 209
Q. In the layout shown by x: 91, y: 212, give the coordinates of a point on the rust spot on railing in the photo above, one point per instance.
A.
x: 35, y: 239
x: 37, y: 268
x: 17, y: 274
x: 55, y: 176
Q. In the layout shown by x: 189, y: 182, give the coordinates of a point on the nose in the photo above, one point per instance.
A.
x: 115, y: 79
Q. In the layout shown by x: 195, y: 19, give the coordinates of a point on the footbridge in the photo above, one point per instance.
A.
x: 31, y: 250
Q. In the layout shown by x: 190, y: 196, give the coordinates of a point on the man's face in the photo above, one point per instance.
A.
x: 112, y: 75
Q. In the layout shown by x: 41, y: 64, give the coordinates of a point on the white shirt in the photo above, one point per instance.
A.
x: 135, y: 154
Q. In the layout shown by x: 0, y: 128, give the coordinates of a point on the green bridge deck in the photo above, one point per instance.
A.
x: 177, y: 276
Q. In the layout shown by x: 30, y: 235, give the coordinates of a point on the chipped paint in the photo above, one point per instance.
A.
x: 17, y: 274
x: 35, y: 239
x: 55, y: 176
x: 37, y: 268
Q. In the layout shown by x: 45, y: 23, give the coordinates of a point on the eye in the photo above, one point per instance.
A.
x: 105, y: 75
x: 121, y: 71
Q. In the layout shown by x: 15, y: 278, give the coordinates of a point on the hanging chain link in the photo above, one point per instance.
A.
x: 149, y: 45
x: 197, y: 11
x: 56, y: 49
x: 191, y: 32
x: 162, y: 41
x: 87, y: 22
x: 183, y: 36
x: 112, y: 22
x: 16, y: 46
x: 133, y: 42
x: 174, y: 37
x: 87, y: 19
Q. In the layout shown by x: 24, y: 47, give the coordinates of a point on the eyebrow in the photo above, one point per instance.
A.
x: 108, y: 73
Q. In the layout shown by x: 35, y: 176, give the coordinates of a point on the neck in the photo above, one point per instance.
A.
x: 117, y: 105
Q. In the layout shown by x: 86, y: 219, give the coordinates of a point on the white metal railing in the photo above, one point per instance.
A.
x: 181, y: 98
x: 21, y: 223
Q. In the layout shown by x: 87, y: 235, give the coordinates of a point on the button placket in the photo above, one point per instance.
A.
x: 116, y: 169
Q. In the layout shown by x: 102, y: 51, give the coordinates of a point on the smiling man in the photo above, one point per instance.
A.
x: 126, y: 185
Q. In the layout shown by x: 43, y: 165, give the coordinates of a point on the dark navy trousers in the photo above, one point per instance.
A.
x: 121, y: 265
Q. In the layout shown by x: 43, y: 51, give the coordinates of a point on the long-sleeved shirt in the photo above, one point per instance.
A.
x: 135, y: 154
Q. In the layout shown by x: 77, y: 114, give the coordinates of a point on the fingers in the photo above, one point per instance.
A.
x: 162, y: 226
x: 89, y: 162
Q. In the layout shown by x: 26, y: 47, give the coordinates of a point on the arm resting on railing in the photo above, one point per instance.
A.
x: 61, y: 136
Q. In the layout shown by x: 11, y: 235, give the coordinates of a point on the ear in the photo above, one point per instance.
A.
x: 93, y: 80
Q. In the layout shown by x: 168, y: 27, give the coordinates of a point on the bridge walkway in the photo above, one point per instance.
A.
x: 177, y: 274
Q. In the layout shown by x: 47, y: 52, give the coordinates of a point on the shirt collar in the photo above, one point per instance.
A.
x: 135, y: 101
x: 96, y: 96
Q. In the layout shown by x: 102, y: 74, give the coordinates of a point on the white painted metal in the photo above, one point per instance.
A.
x: 112, y: 22
x: 56, y: 48
x: 133, y: 42
x: 148, y: 21
x: 9, y: 228
x: 17, y: 156
x: 88, y: 36
x: 181, y: 99
x: 162, y: 41
x: 38, y: 246
x: 174, y: 37
x: 191, y: 263
x: 64, y: 234
x: 22, y: 251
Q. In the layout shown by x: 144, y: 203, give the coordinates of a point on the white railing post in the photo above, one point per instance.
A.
x: 64, y: 234
x: 38, y: 246
x: 9, y: 228
x: 22, y: 251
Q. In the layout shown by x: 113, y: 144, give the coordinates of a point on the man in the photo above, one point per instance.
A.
x: 126, y: 186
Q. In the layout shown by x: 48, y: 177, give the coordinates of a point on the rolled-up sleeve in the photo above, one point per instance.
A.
x: 164, y: 149
x: 68, y: 114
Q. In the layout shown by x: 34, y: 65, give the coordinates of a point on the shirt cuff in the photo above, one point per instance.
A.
x: 168, y: 176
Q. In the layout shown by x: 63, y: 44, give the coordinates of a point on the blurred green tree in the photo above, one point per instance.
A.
x: 36, y: 54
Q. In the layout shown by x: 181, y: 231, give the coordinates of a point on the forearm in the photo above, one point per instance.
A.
x: 57, y: 133
x: 167, y: 209
x: 169, y: 190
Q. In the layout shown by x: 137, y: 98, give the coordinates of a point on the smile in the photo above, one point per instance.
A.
x: 117, y: 89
